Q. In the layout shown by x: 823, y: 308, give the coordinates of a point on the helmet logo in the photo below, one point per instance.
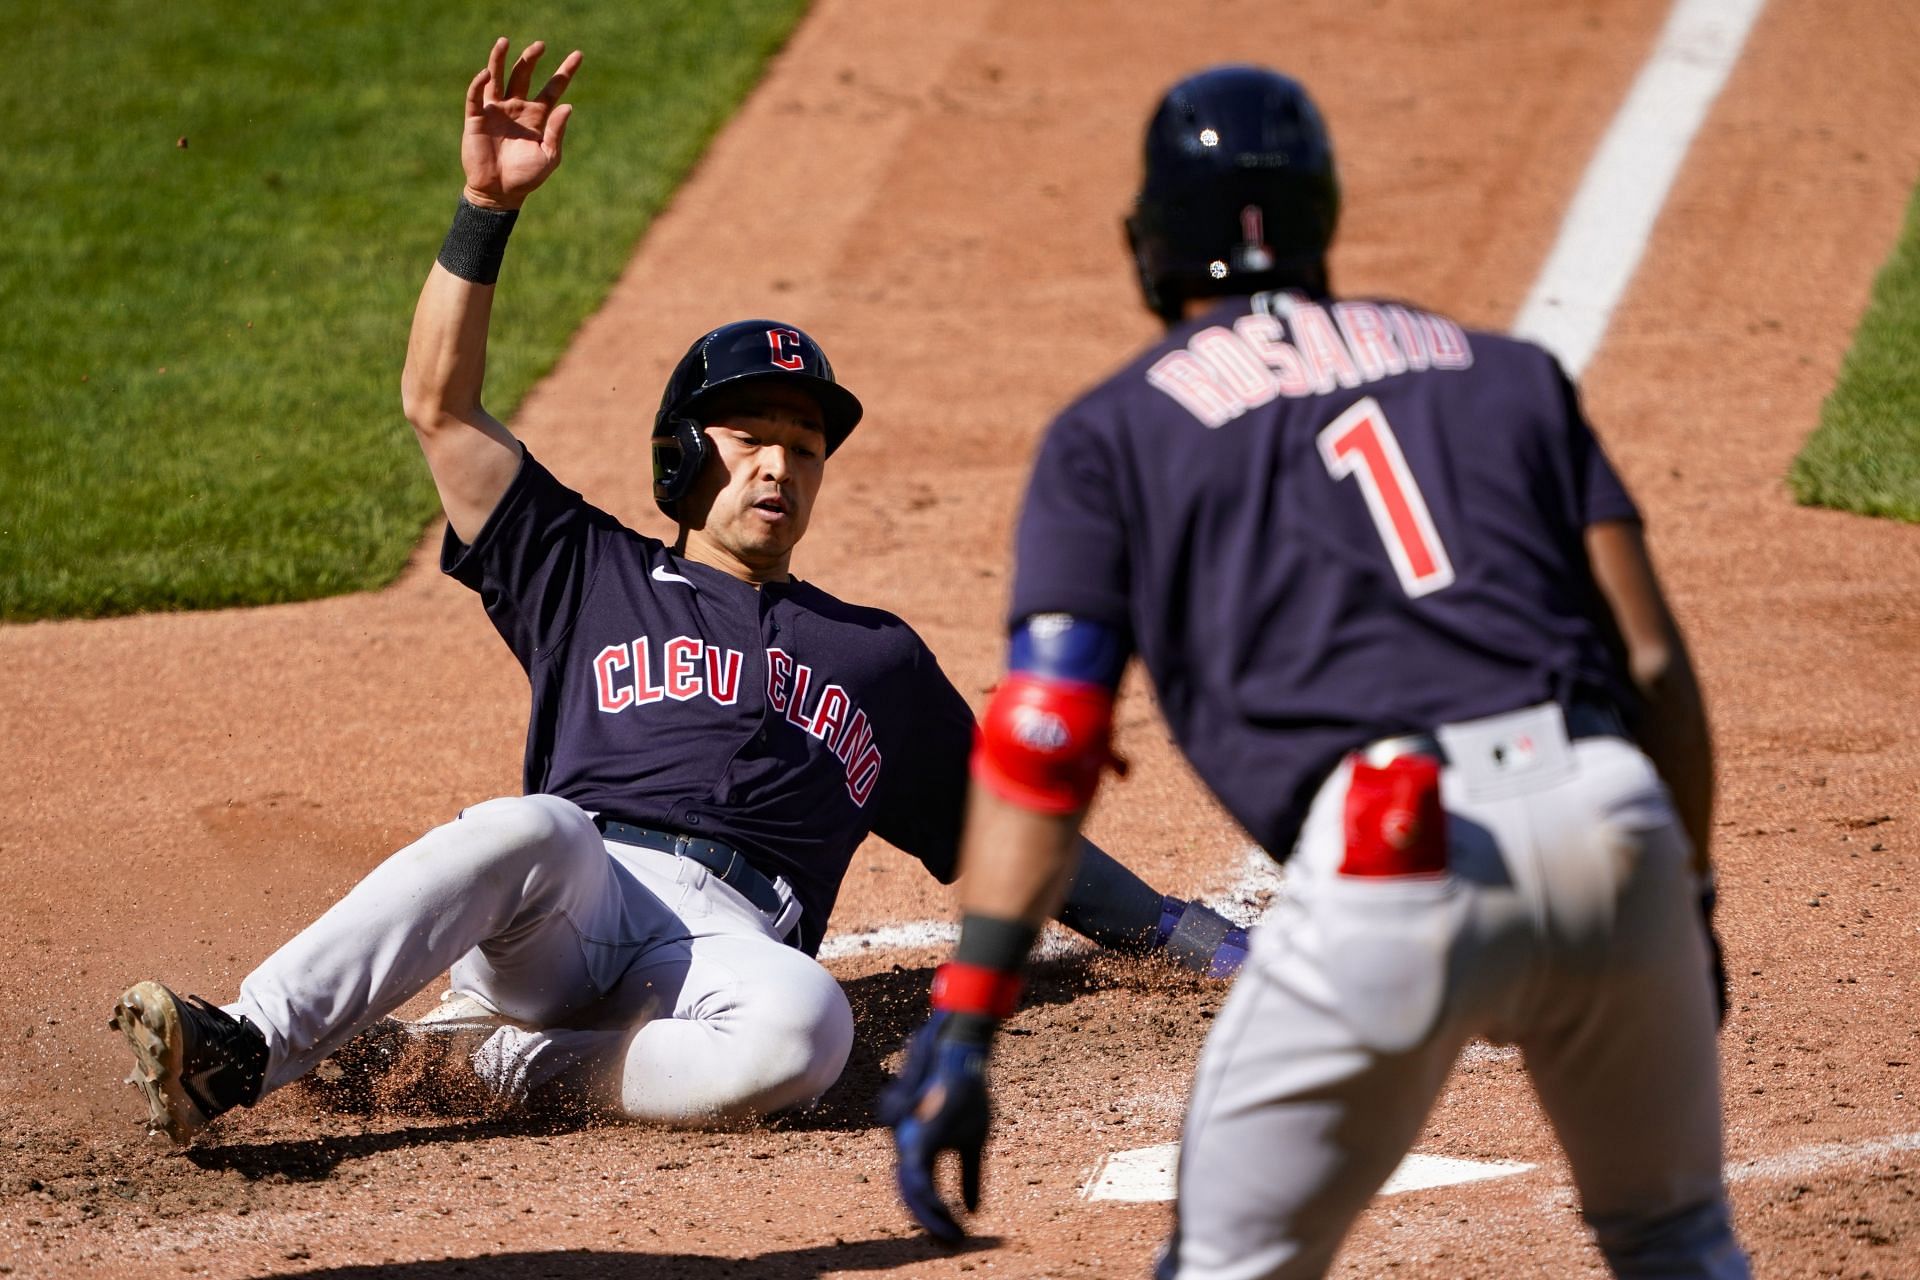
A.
x: 786, y: 348
x: 1254, y: 253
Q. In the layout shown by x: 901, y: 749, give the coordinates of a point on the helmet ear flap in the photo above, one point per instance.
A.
x: 680, y: 449
x: 1153, y: 289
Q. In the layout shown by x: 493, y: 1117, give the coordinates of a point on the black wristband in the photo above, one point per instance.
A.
x: 993, y: 943
x: 477, y: 242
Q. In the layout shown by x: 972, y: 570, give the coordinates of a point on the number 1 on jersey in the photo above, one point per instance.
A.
x: 1360, y: 442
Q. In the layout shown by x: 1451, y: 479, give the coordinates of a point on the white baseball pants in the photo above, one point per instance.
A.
x: 1567, y: 925
x: 660, y: 991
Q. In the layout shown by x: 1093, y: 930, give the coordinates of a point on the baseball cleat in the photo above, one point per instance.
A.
x: 194, y: 1060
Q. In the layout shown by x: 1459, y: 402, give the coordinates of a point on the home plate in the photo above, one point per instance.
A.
x: 1146, y: 1173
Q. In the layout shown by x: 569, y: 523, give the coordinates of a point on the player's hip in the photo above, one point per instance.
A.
x: 1517, y: 869
x: 1511, y: 796
x: 709, y: 887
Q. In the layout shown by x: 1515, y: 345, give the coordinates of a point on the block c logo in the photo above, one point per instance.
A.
x: 786, y: 348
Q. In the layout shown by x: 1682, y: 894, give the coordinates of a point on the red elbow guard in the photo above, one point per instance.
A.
x: 1044, y: 742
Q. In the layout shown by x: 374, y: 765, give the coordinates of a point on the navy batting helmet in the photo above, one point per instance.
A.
x: 735, y: 354
x: 1240, y: 192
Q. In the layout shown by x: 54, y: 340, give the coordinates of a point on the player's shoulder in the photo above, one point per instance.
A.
x: 882, y: 624
x: 1507, y: 348
x: 1241, y: 354
x: 547, y: 491
x: 876, y: 639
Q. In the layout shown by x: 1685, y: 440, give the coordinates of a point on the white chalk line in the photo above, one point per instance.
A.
x: 926, y: 935
x: 920, y: 935
x: 1626, y: 183
x: 1819, y: 1156
x: 1146, y: 1174
x: 1243, y: 903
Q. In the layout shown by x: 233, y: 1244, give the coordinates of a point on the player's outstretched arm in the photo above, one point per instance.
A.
x: 1042, y: 747
x: 509, y: 145
x: 1114, y: 907
x: 1016, y: 864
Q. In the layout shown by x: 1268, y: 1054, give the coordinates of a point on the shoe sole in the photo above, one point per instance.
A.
x: 458, y: 1011
x: 149, y: 1017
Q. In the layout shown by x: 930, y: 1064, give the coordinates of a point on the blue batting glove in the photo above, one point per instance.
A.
x: 1230, y: 955
x: 939, y: 1103
x: 1198, y: 938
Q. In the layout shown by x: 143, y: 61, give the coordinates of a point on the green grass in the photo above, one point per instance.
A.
x: 200, y: 358
x: 1865, y: 456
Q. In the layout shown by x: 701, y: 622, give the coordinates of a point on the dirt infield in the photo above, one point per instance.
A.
x: 935, y: 191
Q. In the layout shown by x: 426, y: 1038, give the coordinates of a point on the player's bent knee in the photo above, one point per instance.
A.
x: 800, y: 1051
x: 789, y: 1045
x: 515, y: 834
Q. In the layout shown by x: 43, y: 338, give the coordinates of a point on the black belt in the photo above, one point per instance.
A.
x: 1585, y: 719
x: 723, y: 860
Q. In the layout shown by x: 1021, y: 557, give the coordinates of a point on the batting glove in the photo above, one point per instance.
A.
x: 1196, y: 937
x: 939, y: 1103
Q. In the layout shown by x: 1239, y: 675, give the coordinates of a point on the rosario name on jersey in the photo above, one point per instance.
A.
x: 665, y: 693
x: 1293, y: 346
x: 1322, y: 522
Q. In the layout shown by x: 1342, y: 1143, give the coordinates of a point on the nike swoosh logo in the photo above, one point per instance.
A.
x: 660, y: 574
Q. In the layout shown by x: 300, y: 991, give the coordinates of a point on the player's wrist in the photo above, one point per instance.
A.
x: 972, y: 1029
x: 499, y: 201
x: 994, y: 942
x: 1199, y: 939
x: 476, y: 243
x: 982, y: 984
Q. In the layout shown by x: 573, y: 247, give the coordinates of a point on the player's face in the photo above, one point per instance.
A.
x: 756, y: 495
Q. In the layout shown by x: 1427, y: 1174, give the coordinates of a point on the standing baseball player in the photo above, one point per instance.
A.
x: 710, y: 738
x: 1399, y: 614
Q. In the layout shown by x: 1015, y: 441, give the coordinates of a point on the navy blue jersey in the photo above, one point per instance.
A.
x: 668, y: 694
x: 1323, y: 523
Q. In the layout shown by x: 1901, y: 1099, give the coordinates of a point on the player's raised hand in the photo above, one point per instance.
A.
x: 511, y: 142
x: 938, y: 1104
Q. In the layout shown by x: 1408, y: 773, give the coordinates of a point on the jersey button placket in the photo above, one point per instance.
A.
x: 767, y: 605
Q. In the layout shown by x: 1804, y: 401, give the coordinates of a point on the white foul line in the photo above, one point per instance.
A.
x: 1820, y: 1155
x: 925, y: 935
x: 919, y: 935
x: 1243, y: 903
x: 1626, y: 182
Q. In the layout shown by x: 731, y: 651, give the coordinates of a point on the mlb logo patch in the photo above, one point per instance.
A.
x: 1039, y: 731
x: 1516, y: 753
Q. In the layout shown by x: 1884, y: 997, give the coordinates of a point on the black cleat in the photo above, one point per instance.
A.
x: 194, y: 1060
